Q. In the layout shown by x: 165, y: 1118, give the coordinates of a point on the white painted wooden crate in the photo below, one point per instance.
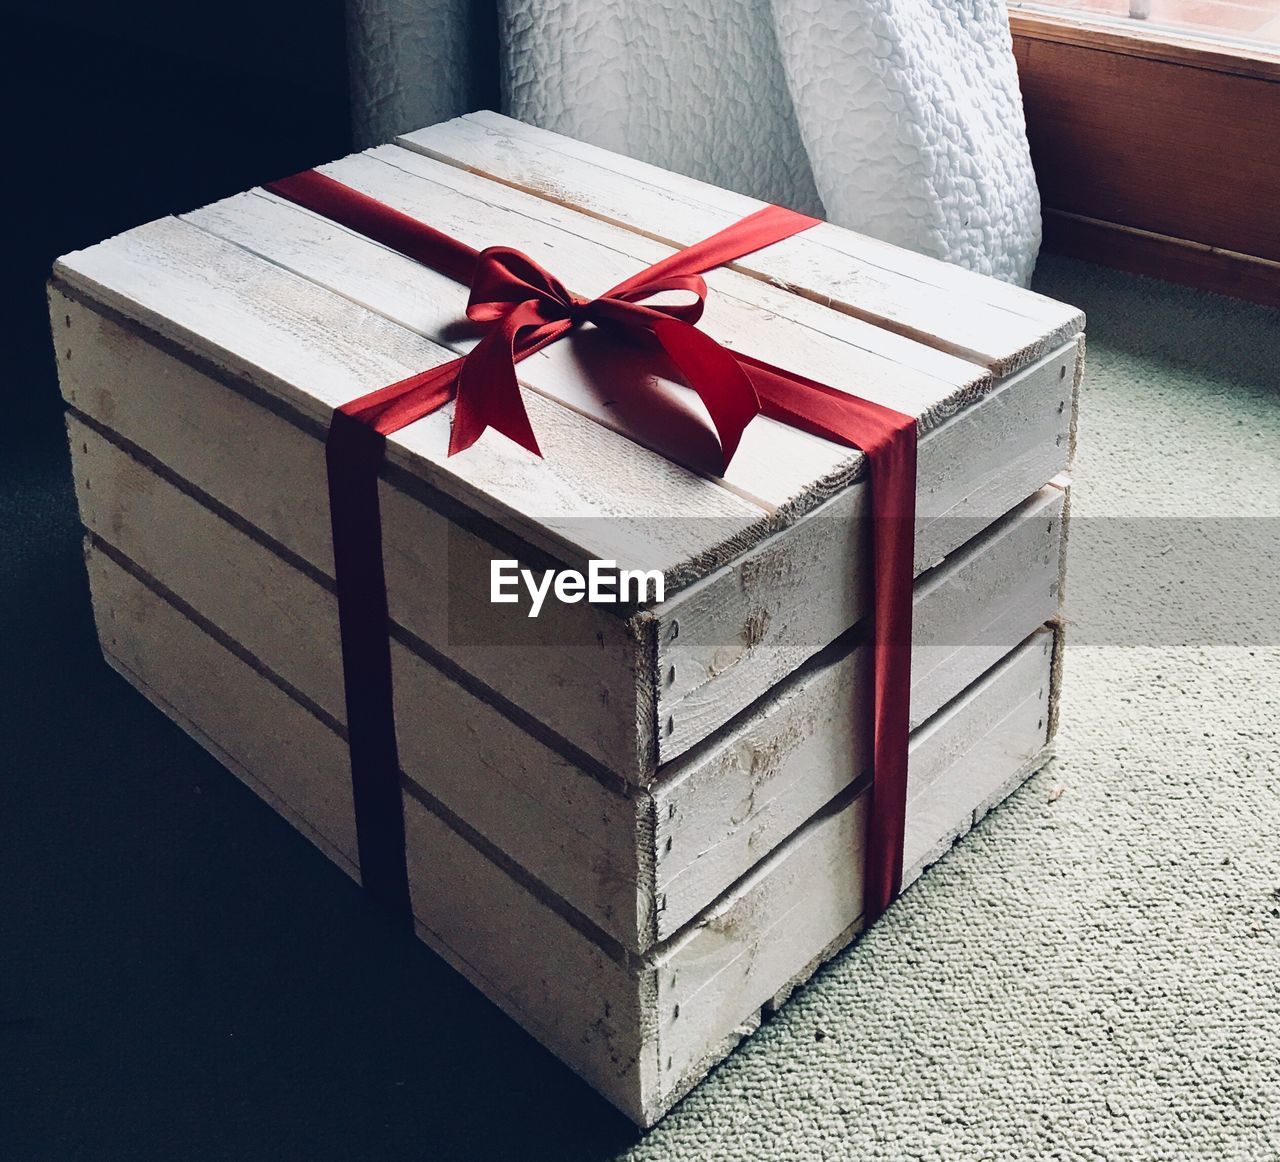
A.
x: 632, y: 832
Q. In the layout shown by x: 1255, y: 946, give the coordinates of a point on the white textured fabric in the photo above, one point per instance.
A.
x: 697, y: 86
x: 902, y: 118
x: 411, y: 64
x: 899, y: 118
x: 912, y: 117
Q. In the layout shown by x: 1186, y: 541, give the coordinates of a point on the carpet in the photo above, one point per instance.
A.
x: 1093, y: 973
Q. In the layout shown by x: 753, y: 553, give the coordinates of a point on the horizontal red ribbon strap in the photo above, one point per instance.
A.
x: 526, y: 307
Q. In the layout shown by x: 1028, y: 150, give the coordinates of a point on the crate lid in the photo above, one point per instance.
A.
x: 315, y: 315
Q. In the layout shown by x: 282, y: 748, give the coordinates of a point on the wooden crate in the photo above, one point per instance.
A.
x: 648, y: 826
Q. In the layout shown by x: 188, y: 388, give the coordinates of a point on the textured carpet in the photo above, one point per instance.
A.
x: 1094, y: 973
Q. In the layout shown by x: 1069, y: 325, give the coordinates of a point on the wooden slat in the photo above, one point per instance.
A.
x: 578, y: 372
x: 1158, y: 256
x: 800, y: 746
x: 811, y: 884
x: 638, y: 866
x: 263, y: 471
x: 734, y: 641
x: 303, y: 772
x: 977, y: 318
x: 996, y: 725
x: 640, y: 1031
x: 1168, y: 148
x: 744, y: 313
x: 779, y: 467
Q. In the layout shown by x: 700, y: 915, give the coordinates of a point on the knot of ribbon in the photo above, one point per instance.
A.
x: 526, y: 307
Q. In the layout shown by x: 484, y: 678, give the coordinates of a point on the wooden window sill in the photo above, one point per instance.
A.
x: 1155, y: 153
x: 1139, y: 38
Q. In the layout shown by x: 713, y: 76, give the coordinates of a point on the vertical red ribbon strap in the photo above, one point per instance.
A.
x: 525, y: 308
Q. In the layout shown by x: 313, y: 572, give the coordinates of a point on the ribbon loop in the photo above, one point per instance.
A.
x: 527, y: 307
x: 505, y: 279
x: 687, y: 312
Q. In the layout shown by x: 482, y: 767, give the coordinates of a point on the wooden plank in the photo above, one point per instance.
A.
x: 591, y: 1010
x: 1007, y: 741
x: 303, y: 772
x: 639, y: 1030
x: 560, y: 821
x: 742, y: 312
x: 1138, y: 38
x: 730, y: 961
x: 280, y: 750
x: 655, y: 411
x: 313, y: 350
x: 731, y: 641
x: 637, y: 866
x: 1203, y: 167
x: 994, y: 728
x: 1210, y: 268
x: 180, y: 417
x: 778, y: 467
x: 973, y: 607
x: 976, y: 318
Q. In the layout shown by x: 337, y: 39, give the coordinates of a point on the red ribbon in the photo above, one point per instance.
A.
x: 525, y: 308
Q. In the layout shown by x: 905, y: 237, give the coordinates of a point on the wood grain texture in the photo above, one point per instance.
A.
x: 1210, y: 268
x: 1136, y: 38
x: 300, y: 770
x: 266, y: 472
x: 622, y: 386
x: 314, y: 350
x: 1168, y: 148
x: 590, y: 676
x: 636, y: 865
x: 740, y: 793
x: 744, y: 313
x: 985, y: 729
x: 991, y: 323
x: 749, y: 626
x: 641, y: 1030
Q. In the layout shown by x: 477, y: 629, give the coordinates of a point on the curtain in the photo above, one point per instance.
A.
x: 901, y: 119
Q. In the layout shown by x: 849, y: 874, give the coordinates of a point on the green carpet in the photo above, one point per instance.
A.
x: 1094, y: 973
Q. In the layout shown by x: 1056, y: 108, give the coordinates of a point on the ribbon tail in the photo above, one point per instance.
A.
x: 892, y: 462
x: 353, y: 455
x: 764, y: 227
x: 489, y: 393
x: 713, y: 372
x: 888, y: 440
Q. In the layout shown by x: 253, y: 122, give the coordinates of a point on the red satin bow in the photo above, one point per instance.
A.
x: 529, y: 307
